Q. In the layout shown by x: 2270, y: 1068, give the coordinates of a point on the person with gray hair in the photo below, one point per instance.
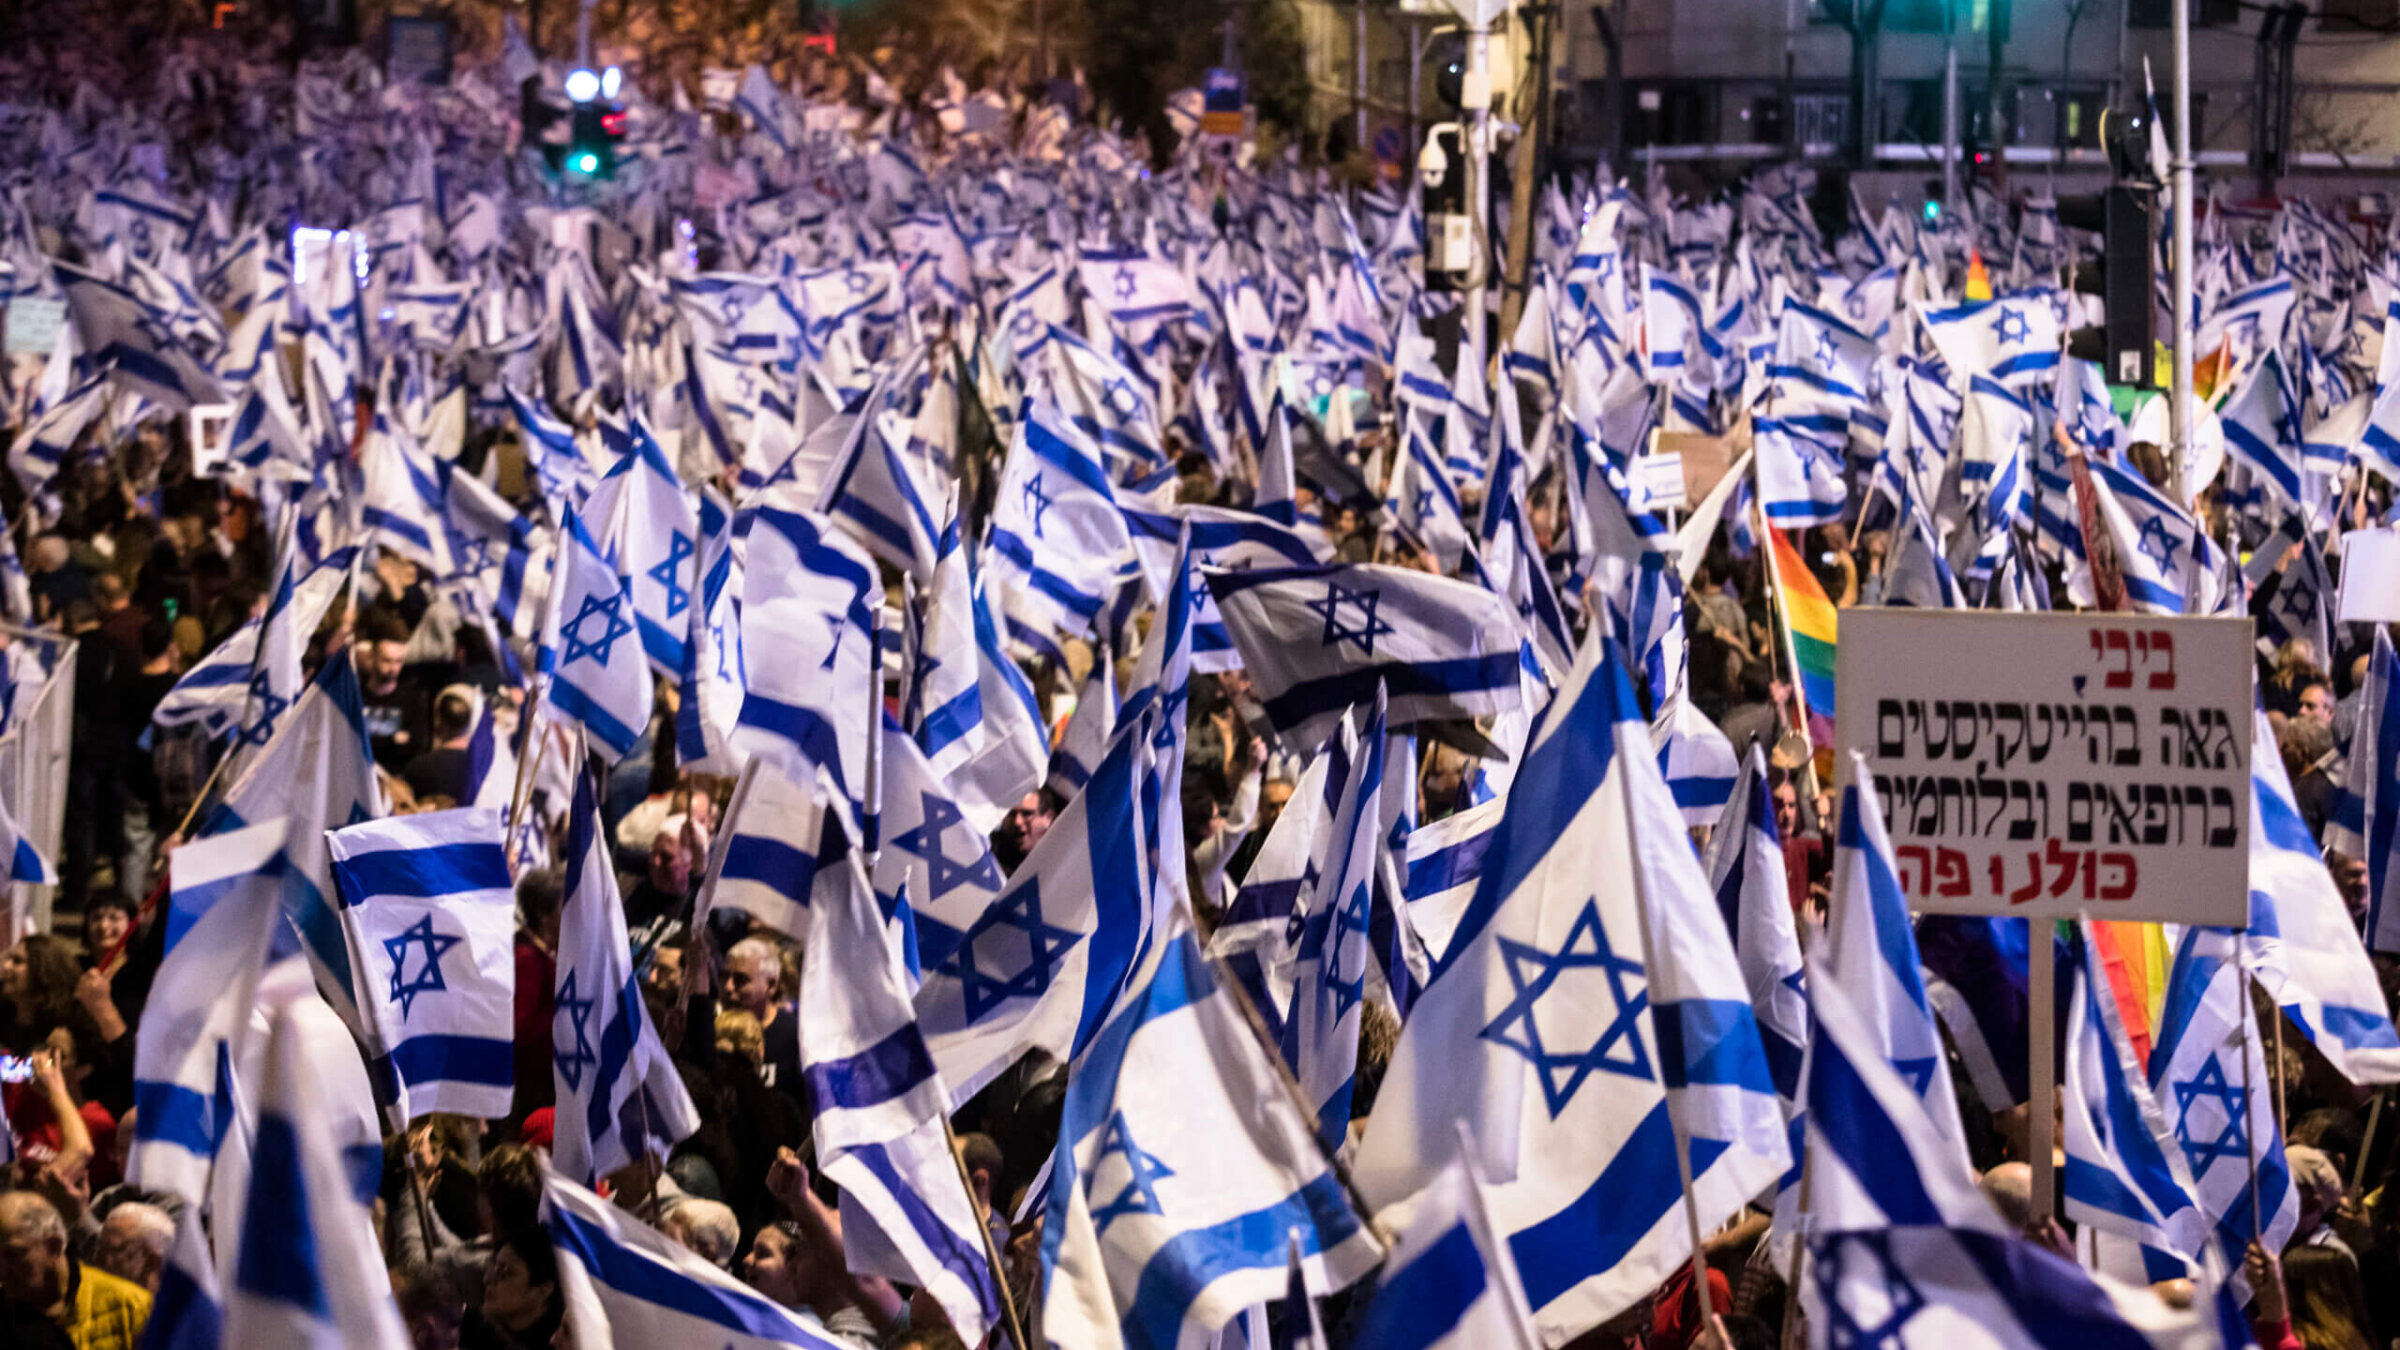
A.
x: 97, y: 1310
x: 707, y: 1227
x: 133, y: 1243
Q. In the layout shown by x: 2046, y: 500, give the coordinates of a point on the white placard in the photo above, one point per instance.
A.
x: 34, y: 324
x: 2370, y: 577
x: 1658, y: 481
x: 2056, y: 765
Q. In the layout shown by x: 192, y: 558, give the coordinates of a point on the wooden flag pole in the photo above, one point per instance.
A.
x: 1010, y: 1317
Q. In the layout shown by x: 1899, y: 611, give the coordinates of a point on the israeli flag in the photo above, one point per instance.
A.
x: 2014, y: 341
x: 400, y: 495
x: 2378, y: 446
x: 1089, y: 728
x: 626, y: 1284
x: 1594, y: 1094
x: 1057, y: 536
x: 598, y: 678
x: 431, y: 914
x: 26, y: 865
x: 874, y: 492
x: 713, y: 677
x: 1423, y: 504
x: 1821, y: 362
x: 1695, y: 758
x: 1174, y: 1194
x: 879, y: 1105
x: 1446, y: 860
x: 1914, y: 572
x: 2365, y: 821
x: 1677, y: 341
x: 188, y: 1310
x: 1043, y: 963
x: 127, y: 336
x: 1745, y: 867
x: 619, y: 1097
x: 767, y: 862
x: 222, y: 692
x: 2125, y: 1173
x: 1871, y: 948
x: 1320, y: 1036
x: 652, y: 529
x: 1450, y: 1282
x: 307, y: 1270
x: 2301, y: 943
x: 2262, y: 431
x: 293, y: 614
x: 809, y: 605
x: 319, y: 771
x: 225, y: 891
x: 1317, y: 641
x: 566, y: 477
x: 2209, y: 1072
x: 2253, y: 319
x: 934, y: 861
x: 1218, y: 537
x: 55, y: 427
x: 1800, y: 476
x: 2157, y: 542
x: 504, y: 557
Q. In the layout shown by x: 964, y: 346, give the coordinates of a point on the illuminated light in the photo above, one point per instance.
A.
x: 583, y: 85
x: 613, y: 122
x: 587, y: 162
x: 610, y: 79
x: 1933, y: 210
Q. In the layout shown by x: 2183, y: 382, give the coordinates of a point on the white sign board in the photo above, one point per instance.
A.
x: 212, y: 438
x: 1658, y: 481
x: 2371, y: 577
x: 33, y: 324
x: 2055, y: 765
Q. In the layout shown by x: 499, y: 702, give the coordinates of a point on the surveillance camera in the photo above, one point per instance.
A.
x: 1432, y: 165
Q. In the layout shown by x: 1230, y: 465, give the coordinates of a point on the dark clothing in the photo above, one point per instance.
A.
x: 400, y: 724
x: 646, y: 905
x: 440, y: 772
x: 69, y: 583
x: 782, y: 1069
x: 2313, y: 792
x: 1804, y: 859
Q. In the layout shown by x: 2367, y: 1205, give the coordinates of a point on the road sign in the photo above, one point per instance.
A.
x: 2056, y: 765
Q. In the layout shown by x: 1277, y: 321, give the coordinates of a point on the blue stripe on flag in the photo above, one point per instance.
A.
x: 885, y: 1070
x: 424, y: 873
x: 455, y: 1059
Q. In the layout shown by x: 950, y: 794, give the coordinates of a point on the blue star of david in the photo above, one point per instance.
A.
x: 1347, y: 989
x: 2303, y: 603
x: 2233, y: 1140
x: 2157, y: 543
x: 1532, y: 972
x: 1368, y: 628
x: 1604, y: 266
x: 429, y: 976
x: 1037, y: 502
x: 669, y: 574
x: 1138, y: 1195
x: 1917, y: 1073
x: 1828, y: 353
x: 1120, y: 398
x: 745, y: 389
x: 980, y: 982
x: 578, y: 1012
x: 612, y: 626
x: 1855, y: 306
x: 1420, y: 502
x: 1846, y: 1330
x: 725, y: 668
x: 733, y: 307
x: 2011, y: 327
x: 925, y: 841
x: 840, y: 629
x: 265, y: 706
x: 474, y: 552
x: 1199, y: 582
x: 1026, y: 324
x: 1126, y: 283
x: 2244, y: 326
x: 856, y: 281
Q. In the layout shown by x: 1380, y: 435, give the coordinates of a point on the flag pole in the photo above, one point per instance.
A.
x: 1682, y: 1128
x: 1010, y: 1317
x: 2366, y: 1141
x: 2249, y: 1136
x: 1791, y: 1281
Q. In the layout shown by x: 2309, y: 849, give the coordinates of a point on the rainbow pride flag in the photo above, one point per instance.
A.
x: 1811, y: 620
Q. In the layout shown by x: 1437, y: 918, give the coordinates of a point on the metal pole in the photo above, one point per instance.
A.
x: 1477, y: 106
x: 1950, y: 119
x: 1041, y: 41
x: 1358, y: 40
x: 2181, y: 413
x: 2041, y: 1075
x: 1416, y: 78
x: 583, y: 34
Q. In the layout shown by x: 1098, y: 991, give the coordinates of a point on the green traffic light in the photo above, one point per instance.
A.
x: 587, y: 162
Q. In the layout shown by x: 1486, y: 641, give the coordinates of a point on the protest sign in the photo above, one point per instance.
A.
x: 2056, y: 765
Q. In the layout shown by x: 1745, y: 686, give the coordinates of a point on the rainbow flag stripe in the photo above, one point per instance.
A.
x: 1810, y: 618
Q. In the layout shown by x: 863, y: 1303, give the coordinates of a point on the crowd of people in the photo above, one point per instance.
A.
x: 143, y: 560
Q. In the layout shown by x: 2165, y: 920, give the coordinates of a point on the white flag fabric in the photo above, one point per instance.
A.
x: 599, y: 678
x: 1581, y: 1102
x: 2124, y: 1172
x: 1182, y: 1167
x: 1317, y: 641
x: 626, y: 1284
x: 1450, y: 1283
x: 619, y: 1096
x: 431, y: 914
x: 2209, y: 1060
x: 649, y: 525
x: 224, y: 902
x: 307, y: 1270
x: 809, y: 602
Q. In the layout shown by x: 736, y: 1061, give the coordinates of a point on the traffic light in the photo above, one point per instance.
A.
x: 596, y: 128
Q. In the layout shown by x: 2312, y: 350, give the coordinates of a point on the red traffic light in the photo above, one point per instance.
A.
x: 613, y: 122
